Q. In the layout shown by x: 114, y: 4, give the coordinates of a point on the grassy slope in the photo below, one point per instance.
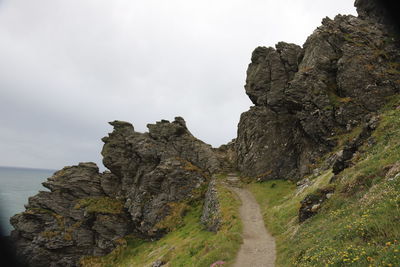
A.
x: 360, y: 224
x: 188, y: 245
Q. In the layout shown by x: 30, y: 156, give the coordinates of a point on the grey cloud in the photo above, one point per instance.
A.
x: 68, y: 67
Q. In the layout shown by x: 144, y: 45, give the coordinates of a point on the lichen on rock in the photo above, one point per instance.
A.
x: 304, y: 96
x: 211, y: 215
x: 151, y: 176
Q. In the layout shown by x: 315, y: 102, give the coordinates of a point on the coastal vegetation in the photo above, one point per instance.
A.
x: 189, y: 244
x: 358, y: 225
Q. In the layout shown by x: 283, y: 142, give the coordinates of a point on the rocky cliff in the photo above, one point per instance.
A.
x: 152, y: 176
x: 305, y: 96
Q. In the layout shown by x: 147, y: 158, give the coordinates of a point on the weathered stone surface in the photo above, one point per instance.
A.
x: 341, y: 76
x: 393, y: 172
x: 77, y: 181
x: 381, y: 11
x: 305, y: 96
x: 56, y: 228
x: 87, y: 212
x: 269, y: 72
x: 211, y: 216
x: 129, y: 154
x: 174, y: 180
x: 227, y: 156
x: 269, y: 145
x: 342, y: 161
x: 156, y: 168
x: 313, y: 202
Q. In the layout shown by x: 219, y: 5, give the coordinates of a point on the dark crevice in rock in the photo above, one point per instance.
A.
x: 311, y: 204
x: 344, y: 157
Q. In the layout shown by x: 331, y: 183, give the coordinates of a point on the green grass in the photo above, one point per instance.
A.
x: 336, y: 100
x: 360, y: 224
x: 188, y: 245
x: 100, y: 205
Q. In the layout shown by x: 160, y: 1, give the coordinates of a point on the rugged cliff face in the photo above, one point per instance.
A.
x: 380, y: 11
x: 152, y: 175
x: 162, y: 166
x: 306, y: 96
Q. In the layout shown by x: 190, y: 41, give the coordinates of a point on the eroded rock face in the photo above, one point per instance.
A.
x: 87, y: 212
x: 343, y: 158
x: 211, y: 215
x: 227, y: 156
x: 305, y: 96
x: 269, y: 144
x: 164, y: 165
x: 269, y: 72
x: 311, y: 204
x: 381, y: 11
x: 61, y: 225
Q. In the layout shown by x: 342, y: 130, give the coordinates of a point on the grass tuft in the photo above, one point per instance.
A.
x: 189, y: 244
x: 100, y: 205
x: 359, y: 224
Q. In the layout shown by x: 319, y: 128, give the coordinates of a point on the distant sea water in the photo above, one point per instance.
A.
x: 16, y: 185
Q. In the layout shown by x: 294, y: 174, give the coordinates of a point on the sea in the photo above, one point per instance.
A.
x: 16, y: 186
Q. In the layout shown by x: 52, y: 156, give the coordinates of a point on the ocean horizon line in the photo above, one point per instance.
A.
x: 27, y: 168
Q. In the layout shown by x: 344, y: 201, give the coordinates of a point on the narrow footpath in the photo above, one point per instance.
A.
x: 258, y: 248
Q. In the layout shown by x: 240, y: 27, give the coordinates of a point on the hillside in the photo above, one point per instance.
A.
x: 353, y: 216
x: 319, y: 150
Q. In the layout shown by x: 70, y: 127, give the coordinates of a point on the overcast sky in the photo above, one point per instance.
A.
x: 69, y: 67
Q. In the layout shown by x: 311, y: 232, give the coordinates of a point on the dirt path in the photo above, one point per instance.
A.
x: 258, y: 248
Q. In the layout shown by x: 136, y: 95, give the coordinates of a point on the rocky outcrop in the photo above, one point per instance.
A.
x: 74, y: 218
x: 155, y: 168
x: 269, y: 72
x: 227, y: 156
x: 311, y: 204
x: 86, y: 212
x: 380, y: 11
x: 305, y: 96
x: 345, y: 155
x: 268, y: 145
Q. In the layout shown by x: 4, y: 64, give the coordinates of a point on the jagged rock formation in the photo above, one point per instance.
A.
x: 155, y: 168
x: 305, y: 96
x: 87, y: 212
x: 59, y: 226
